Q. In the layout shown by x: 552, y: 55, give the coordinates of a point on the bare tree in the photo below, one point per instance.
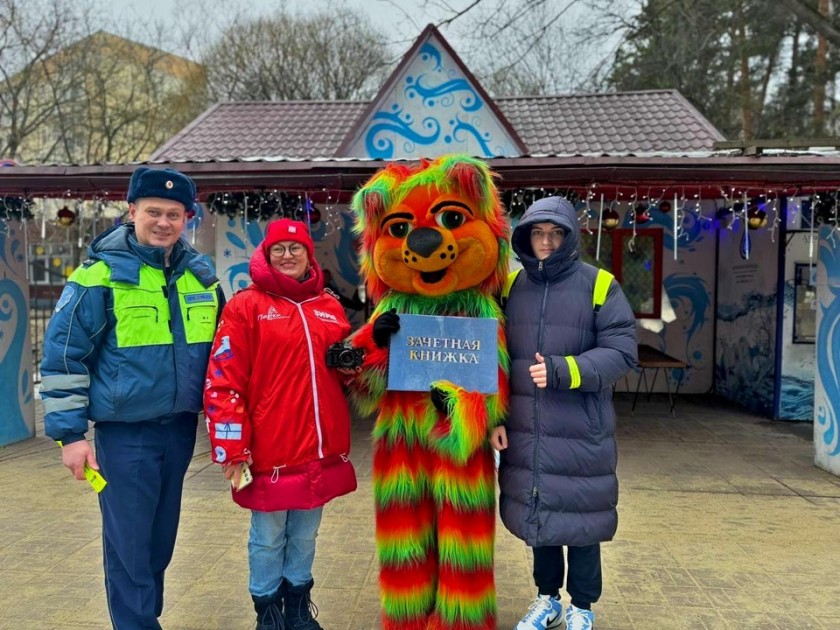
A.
x: 31, y: 32
x: 331, y: 55
x: 130, y: 98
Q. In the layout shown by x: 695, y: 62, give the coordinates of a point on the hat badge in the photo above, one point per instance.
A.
x: 169, y: 184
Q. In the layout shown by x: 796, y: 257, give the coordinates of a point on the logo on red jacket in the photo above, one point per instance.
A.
x: 327, y: 317
x: 271, y: 315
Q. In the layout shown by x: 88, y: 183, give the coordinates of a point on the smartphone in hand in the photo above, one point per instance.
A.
x: 242, y: 477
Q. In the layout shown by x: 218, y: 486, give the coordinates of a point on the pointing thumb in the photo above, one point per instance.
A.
x: 540, y: 358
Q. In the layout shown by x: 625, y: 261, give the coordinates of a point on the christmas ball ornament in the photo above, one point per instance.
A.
x: 610, y: 220
x: 642, y: 213
x: 756, y: 218
x: 665, y: 206
x: 66, y: 217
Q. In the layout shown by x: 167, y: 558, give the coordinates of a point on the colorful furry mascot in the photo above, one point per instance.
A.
x: 434, y: 242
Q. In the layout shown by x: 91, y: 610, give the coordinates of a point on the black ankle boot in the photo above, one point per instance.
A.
x: 299, y: 611
x: 269, y: 611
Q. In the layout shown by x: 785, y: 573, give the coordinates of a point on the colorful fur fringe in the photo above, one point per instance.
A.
x: 433, y: 473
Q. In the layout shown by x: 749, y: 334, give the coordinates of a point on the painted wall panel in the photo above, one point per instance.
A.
x: 688, y: 285
x: 746, y: 317
x: 17, y: 420
x: 827, y: 385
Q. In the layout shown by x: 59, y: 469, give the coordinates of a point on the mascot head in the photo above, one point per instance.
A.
x: 432, y: 229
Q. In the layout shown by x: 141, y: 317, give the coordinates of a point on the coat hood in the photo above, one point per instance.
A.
x: 560, y: 211
x: 119, y: 248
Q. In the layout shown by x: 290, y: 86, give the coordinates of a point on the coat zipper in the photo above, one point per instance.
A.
x: 312, y: 376
x: 540, y: 329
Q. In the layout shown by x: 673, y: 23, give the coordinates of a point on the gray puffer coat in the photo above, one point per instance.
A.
x: 557, y: 476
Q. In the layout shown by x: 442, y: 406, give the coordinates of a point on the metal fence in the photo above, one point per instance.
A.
x: 42, y: 301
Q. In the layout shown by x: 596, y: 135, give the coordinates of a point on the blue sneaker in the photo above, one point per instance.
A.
x: 579, y: 618
x: 545, y: 612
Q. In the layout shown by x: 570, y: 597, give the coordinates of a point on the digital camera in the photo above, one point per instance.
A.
x: 341, y: 355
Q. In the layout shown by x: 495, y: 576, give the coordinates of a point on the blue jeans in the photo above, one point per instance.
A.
x: 281, y: 545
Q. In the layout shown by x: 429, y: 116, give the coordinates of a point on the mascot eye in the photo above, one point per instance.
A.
x: 399, y: 229
x: 450, y: 219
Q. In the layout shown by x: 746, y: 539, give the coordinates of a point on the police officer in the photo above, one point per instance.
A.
x: 127, y: 349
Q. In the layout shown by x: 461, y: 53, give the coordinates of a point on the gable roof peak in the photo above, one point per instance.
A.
x: 431, y: 104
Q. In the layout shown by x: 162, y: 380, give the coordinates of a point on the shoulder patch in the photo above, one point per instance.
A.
x: 66, y: 295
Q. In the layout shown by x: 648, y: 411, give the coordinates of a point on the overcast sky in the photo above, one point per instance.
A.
x: 401, y: 19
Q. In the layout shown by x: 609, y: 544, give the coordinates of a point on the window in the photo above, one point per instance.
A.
x: 804, y: 304
x: 638, y: 270
x: 50, y: 263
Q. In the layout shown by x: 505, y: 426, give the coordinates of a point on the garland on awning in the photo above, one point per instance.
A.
x: 15, y: 208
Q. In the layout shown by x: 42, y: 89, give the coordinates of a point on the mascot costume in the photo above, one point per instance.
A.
x: 434, y: 242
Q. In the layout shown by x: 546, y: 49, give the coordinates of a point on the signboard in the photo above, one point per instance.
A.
x: 428, y: 348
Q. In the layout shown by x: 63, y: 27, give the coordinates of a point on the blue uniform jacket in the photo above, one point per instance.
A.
x: 141, y: 360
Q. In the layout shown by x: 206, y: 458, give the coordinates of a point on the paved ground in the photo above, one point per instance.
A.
x: 724, y: 523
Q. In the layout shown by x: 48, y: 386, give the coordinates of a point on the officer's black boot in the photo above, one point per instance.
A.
x: 299, y: 611
x: 269, y: 611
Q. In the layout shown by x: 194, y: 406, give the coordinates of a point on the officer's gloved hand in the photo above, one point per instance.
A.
x: 384, y: 326
x: 440, y: 400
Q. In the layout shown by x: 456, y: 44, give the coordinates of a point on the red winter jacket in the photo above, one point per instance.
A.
x: 270, y: 396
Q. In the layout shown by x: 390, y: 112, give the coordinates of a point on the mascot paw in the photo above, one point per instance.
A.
x: 384, y: 326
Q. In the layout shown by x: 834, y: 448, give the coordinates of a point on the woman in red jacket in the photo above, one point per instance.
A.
x: 272, y: 403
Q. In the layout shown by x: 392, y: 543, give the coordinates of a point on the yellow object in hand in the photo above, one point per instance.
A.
x: 96, y: 481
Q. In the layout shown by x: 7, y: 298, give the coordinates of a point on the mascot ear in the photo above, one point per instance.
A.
x: 469, y: 179
x: 374, y: 204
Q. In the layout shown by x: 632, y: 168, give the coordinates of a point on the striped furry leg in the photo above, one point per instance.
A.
x: 405, y: 537
x: 466, y: 522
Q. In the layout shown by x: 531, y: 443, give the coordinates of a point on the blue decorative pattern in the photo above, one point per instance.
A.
x: 15, y: 380
x: 828, y: 352
x: 443, y: 93
x: 434, y: 109
x: 400, y: 125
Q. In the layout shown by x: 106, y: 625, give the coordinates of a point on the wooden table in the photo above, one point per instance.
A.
x: 652, y: 359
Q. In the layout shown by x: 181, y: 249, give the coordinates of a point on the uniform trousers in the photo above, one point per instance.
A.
x: 144, y: 464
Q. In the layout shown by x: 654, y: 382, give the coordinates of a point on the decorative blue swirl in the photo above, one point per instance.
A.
x: 383, y: 148
x: 694, y: 291
x: 234, y: 239
x: 427, y: 52
x: 238, y: 276
x: 828, y: 347
x: 482, y: 139
x: 429, y: 93
x: 14, y: 387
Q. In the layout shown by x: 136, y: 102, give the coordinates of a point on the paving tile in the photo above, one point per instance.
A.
x: 724, y: 523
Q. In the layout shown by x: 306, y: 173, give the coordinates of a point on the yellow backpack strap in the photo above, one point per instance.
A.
x: 602, y: 286
x: 511, y: 278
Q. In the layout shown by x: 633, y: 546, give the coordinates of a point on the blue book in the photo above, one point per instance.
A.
x: 427, y: 348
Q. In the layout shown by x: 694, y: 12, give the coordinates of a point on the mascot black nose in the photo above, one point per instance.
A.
x: 424, y: 241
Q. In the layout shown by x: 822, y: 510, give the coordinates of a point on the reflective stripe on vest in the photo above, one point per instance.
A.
x: 599, y: 292
x: 142, y: 310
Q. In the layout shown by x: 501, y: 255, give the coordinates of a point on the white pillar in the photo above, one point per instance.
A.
x: 827, y: 382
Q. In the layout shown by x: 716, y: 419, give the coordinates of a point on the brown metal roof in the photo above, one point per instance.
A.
x: 292, y: 129
x: 654, y: 120
x: 659, y: 120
